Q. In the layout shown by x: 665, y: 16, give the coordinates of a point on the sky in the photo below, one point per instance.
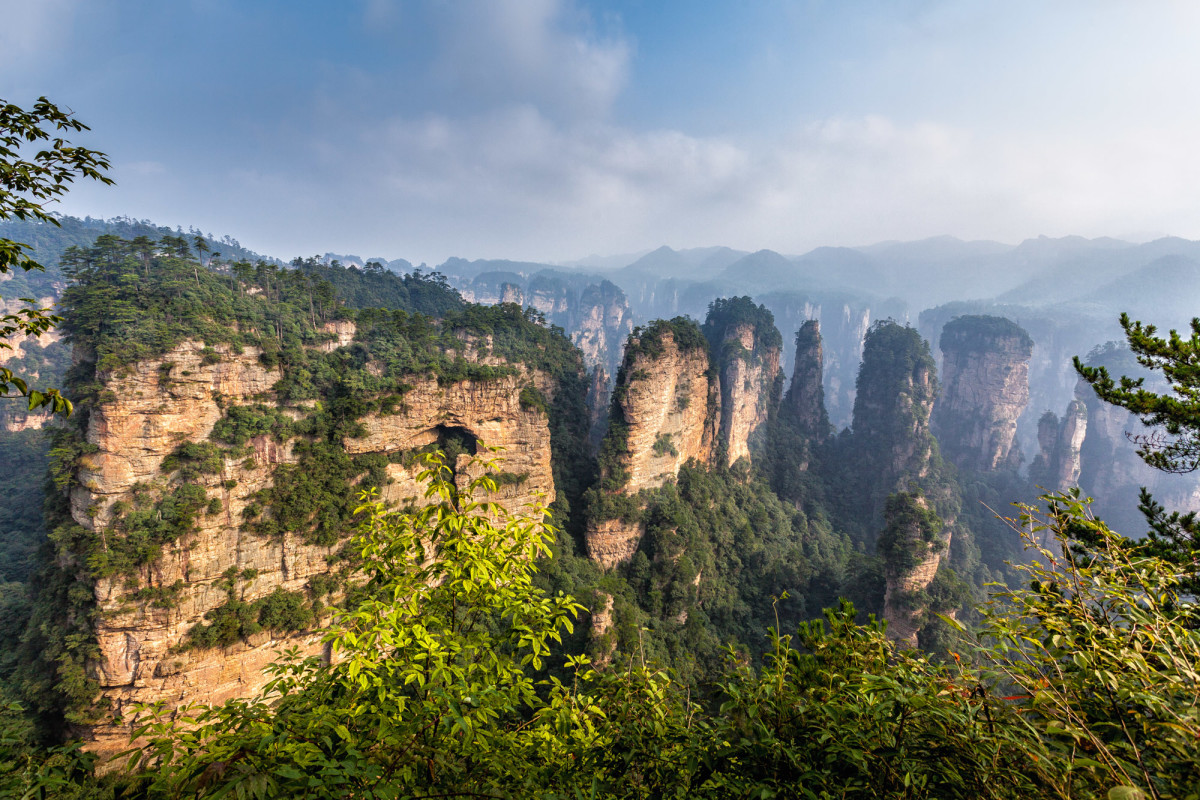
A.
x: 554, y: 129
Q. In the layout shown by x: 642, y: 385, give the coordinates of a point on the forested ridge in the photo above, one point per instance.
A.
x: 744, y: 656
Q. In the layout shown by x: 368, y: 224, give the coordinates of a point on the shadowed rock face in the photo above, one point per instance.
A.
x: 178, y: 398
x: 897, y: 385
x: 985, y: 388
x: 804, y: 402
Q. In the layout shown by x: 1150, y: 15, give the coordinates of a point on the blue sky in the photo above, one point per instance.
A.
x: 552, y: 129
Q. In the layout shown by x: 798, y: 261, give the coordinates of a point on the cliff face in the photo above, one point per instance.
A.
x: 746, y: 346
x: 897, y: 385
x: 163, y: 403
x: 660, y: 417
x: 600, y: 325
x: 804, y: 402
x: 985, y: 380
x: 748, y: 374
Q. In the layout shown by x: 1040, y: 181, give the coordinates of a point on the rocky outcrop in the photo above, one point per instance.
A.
x: 746, y: 346
x: 804, y: 403
x: 162, y: 403
x: 660, y: 417
x: 912, y: 546
x: 897, y: 386
x: 748, y: 374
x: 1058, y: 464
x: 600, y: 324
x: 985, y: 389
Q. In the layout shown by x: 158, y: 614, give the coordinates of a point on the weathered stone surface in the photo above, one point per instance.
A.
x: 985, y: 388
x: 664, y: 408
x: 613, y: 541
x: 1070, y: 441
x: 747, y: 379
x: 600, y: 325
x: 164, y: 402
x: 666, y: 403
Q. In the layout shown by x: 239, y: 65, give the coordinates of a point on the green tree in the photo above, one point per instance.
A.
x: 431, y: 684
x: 1174, y: 446
x: 29, y: 182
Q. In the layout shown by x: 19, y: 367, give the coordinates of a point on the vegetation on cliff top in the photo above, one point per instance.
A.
x: 727, y: 313
x: 981, y: 331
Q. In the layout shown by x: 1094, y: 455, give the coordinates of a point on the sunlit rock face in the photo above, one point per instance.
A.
x: 662, y: 414
x: 747, y: 378
x: 985, y: 389
x: 156, y: 406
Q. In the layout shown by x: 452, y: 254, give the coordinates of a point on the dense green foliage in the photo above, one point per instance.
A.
x: 728, y: 313
x: 973, y: 332
x: 1084, y: 688
x: 911, y: 531
x: 719, y: 547
x: 375, y: 287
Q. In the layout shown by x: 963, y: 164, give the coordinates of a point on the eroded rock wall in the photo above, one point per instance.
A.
x: 661, y: 416
x: 162, y: 403
x: 985, y: 389
x: 748, y: 374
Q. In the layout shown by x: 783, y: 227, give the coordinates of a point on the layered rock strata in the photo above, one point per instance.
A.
x: 985, y: 389
x: 660, y: 417
x: 162, y: 403
x: 748, y: 374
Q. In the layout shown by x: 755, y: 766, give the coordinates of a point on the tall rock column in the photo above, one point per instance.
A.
x: 897, y: 384
x: 912, y: 545
x: 1059, y: 463
x: 663, y: 413
x: 747, y: 346
x: 600, y: 325
x: 804, y: 403
x: 895, y: 459
x: 985, y: 388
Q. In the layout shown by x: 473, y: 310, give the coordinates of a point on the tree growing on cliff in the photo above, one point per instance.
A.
x: 1175, y: 446
x: 29, y: 182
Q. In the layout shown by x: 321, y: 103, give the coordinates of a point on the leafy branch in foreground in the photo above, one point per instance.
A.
x: 28, y: 183
x: 1102, y: 650
x: 431, y: 674
x: 1175, y: 447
